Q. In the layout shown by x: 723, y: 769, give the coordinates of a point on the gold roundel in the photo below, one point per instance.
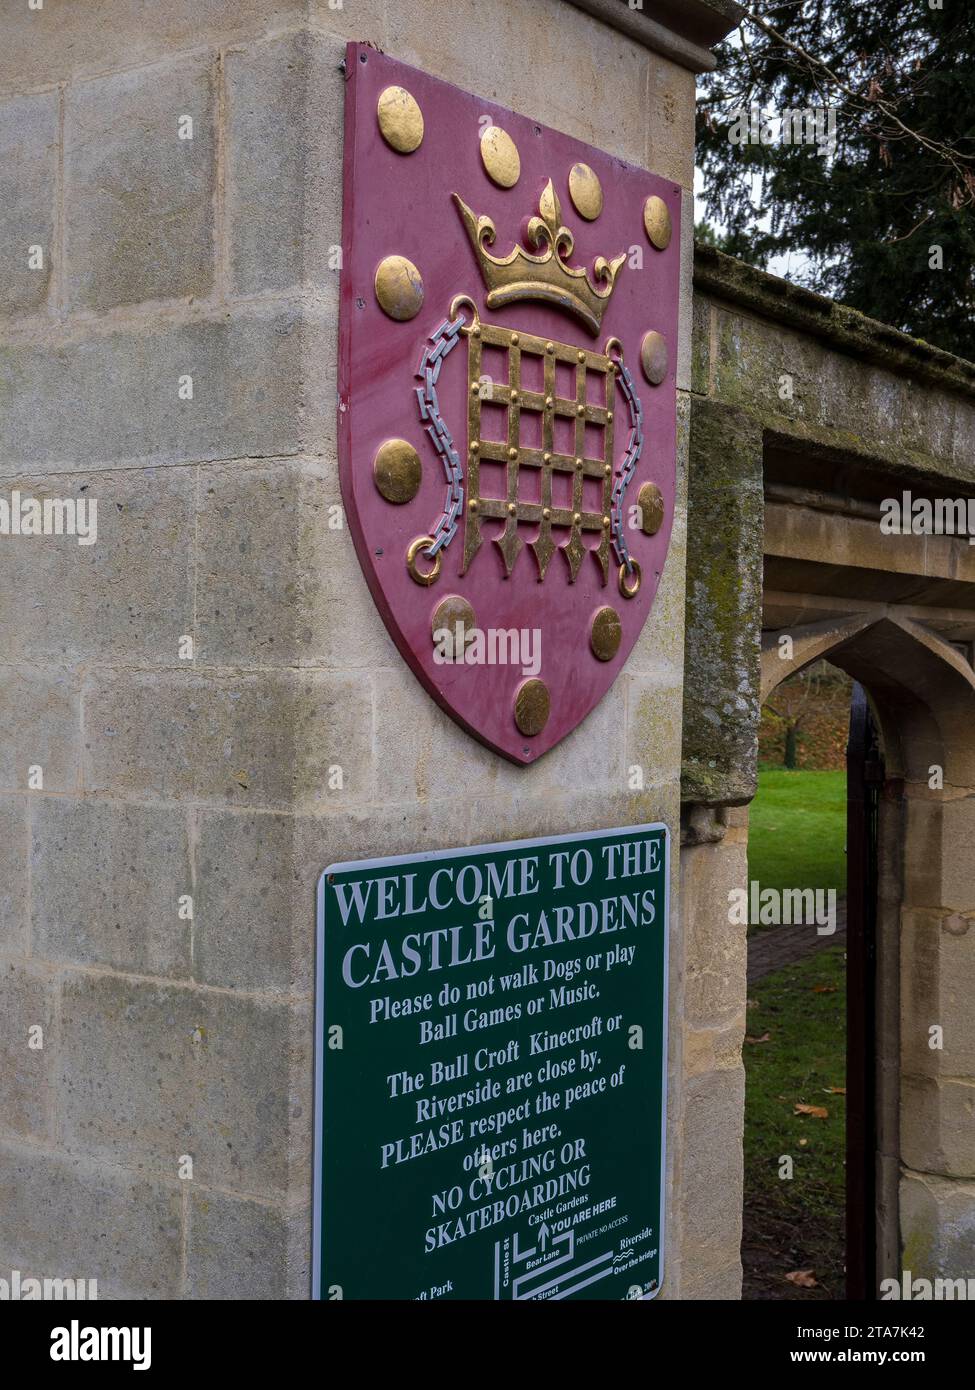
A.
x: 500, y: 157
x: 606, y: 634
x: 399, y: 288
x: 532, y: 705
x: 400, y: 119
x: 656, y: 219
x: 651, y: 503
x: 654, y: 357
x: 396, y: 470
x: 585, y: 191
x: 448, y: 613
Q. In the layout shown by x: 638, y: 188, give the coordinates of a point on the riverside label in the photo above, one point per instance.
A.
x: 490, y: 1071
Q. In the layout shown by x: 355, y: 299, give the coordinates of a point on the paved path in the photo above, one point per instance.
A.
x: 772, y: 948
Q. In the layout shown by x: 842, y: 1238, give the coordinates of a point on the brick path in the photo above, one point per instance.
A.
x: 775, y: 947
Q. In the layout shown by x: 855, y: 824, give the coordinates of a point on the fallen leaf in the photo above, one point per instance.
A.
x: 803, y: 1143
x: 825, y: 989
x: 766, y: 1037
x: 834, y: 1090
x: 803, y: 1279
x: 816, y: 1112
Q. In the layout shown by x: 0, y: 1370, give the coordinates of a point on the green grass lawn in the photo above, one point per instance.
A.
x: 796, y: 1223
x: 796, y: 839
x: 797, y: 830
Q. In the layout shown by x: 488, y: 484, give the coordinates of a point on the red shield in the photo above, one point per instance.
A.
x: 507, y: 407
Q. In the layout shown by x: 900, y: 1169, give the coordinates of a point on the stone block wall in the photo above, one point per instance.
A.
x: 189, y: 684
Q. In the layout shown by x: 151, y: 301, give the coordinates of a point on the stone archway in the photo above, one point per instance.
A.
x: 923, y: 692
x: 805, y: 418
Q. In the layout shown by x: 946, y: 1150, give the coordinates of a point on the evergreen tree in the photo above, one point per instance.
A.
x: 885, y: 220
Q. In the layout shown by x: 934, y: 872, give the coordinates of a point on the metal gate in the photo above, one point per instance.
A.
x: 865, y: 779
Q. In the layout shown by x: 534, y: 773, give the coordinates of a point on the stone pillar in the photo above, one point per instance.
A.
x: 190, y: 685
x: 937, y: 975
x: 718, y: 779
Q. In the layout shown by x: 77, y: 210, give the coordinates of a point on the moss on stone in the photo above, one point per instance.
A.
x: 724, y: 588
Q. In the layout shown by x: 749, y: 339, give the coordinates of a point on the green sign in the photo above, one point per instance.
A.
x: 491, y: 1061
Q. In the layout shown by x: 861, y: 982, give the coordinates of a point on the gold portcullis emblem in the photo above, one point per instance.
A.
x: 540, y: 456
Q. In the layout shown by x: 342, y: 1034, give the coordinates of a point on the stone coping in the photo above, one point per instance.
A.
x: 729, y: 279
x: 682, y: 30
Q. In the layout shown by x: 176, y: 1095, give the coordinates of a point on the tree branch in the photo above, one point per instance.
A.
x: 937, y: 147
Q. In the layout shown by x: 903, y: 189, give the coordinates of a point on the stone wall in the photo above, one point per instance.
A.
x: 176, y: 770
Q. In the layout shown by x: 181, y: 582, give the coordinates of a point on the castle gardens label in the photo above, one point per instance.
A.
x: 491, y: 1060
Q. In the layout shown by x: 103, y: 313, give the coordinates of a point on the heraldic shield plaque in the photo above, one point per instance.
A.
x: 507, y: 403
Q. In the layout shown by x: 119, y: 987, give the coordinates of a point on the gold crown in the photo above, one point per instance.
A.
x: 521, y: 275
